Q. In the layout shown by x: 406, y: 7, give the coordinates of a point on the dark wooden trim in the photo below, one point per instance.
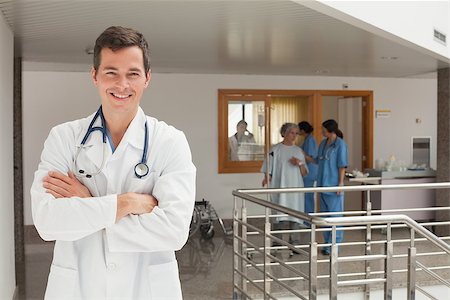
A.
x: 225, y: 166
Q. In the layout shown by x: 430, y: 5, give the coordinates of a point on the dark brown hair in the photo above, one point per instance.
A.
x: 305, y: 126
x: 332, y: 126
x: 117, y: 37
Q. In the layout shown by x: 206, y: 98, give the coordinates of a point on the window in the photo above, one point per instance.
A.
x: 245, y: 130
x: 250, y: 122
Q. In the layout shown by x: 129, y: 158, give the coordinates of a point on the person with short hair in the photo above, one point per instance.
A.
x: 115, y: 190
x: 240, y: 138
x: 286, y: 168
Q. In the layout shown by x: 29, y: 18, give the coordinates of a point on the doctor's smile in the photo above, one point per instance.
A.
x: 121, y: 97
x: 115, y: 189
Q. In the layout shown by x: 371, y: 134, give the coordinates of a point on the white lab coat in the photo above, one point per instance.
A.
x: 95, y: 257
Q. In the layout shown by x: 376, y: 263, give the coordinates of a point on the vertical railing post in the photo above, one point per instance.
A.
x: 389, y: 250
x: 368, y: 245
x: 333, y: 265
x: 411, y: 284
x: 244, y: 245
x: 267, y: 243
x: 235, y: 248
x: 313, y: 264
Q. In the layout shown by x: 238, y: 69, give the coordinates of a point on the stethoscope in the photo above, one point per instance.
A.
x: 140, y: 170
x: 325, y: 155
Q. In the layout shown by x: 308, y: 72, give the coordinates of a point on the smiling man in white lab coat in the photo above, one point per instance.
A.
x: 116, y: 227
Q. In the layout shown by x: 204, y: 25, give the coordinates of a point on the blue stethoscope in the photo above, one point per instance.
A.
x: 325, y: 155
x: 140, y: 170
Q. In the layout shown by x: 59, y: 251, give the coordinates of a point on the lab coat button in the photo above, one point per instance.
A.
x: 111, y: 266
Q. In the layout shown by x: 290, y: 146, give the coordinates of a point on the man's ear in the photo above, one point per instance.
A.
x: 147, y: 78
x: 94, y: 75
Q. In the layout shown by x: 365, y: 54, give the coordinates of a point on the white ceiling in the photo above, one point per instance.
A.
x: 228, y: 37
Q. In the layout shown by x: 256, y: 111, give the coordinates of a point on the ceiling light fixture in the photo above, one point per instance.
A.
x: 322, y: 71
x: 389, y: 57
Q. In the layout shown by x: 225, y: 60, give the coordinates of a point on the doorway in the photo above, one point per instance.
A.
x: 353, y: 114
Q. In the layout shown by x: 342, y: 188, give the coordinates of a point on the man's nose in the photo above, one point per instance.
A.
x: 122, y: 82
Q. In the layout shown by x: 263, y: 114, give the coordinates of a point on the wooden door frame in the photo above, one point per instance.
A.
x: 226, y: 166
x: 367, y: 111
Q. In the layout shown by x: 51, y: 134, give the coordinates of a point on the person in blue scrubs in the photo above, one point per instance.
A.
x: 333, y: 160
x: 309, y: 147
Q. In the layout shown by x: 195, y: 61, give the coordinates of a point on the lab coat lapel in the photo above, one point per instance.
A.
x: 91, y: 156
x: 135, y: 134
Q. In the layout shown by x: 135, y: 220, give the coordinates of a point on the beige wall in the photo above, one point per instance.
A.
x: 189, y: 102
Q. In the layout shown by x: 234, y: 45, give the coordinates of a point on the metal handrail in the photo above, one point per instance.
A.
x: 392, y: 219
x: 335, y: 222
x: 359, y: 188
x: 242, y: 193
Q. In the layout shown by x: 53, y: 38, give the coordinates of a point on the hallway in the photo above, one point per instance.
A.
x: 206, y: 266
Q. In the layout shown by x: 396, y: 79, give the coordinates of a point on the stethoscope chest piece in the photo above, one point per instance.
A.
x: 141, y: 170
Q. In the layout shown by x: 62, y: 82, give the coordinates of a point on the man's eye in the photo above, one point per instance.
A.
x: 134, y: 74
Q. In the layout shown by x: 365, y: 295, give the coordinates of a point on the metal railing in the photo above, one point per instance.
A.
x: 259, y: 270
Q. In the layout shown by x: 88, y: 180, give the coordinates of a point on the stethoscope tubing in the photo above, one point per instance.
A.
x: 327, y: 151
x: 81, y: 173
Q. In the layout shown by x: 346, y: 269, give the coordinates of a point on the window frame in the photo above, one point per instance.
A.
x: 224, y: 95
x: 226, y: 165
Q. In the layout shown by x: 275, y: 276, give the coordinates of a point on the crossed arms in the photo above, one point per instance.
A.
x: 63, y: 208
x: 62, y: 186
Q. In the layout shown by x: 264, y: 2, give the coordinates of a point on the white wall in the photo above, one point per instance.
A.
x: 7, y: 267
x: 189, y: 102
x: 412, y: 21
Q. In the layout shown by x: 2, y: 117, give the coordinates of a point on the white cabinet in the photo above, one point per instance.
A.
x: 402, y: 199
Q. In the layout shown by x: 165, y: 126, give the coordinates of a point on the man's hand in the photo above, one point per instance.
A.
x: 62, y: 186
x: 134, y: 203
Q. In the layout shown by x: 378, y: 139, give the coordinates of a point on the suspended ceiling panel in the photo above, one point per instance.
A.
x: 226, y: 37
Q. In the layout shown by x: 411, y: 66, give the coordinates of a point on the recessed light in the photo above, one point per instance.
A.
x: 322, y: 71
x: 389, y: 57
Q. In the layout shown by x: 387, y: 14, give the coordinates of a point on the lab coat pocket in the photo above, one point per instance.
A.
x: 142, y: 185
x: 62, y: 283
x: 164, y: 281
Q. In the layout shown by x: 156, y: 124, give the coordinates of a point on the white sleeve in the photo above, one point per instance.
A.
x: 268, y: 164
x: 66, y: 219
x: 167, y: 226
x: 303, y: 159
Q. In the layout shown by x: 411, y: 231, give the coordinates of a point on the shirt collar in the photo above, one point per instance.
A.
x: 134, y: 135
x: 136, y: 131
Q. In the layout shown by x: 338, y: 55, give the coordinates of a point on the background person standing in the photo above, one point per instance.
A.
x: 332, y: 160
x: 309, y: 148
x: 286, y: 168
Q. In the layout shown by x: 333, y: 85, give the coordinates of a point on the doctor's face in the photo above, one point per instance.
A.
x: 121, y: 80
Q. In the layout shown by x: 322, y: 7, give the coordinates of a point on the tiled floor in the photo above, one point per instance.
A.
x: 206, y: 265
x: 205, y: 268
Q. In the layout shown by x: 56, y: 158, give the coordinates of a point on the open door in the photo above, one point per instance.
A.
x: 353, y: 114
x: 350, y: 122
